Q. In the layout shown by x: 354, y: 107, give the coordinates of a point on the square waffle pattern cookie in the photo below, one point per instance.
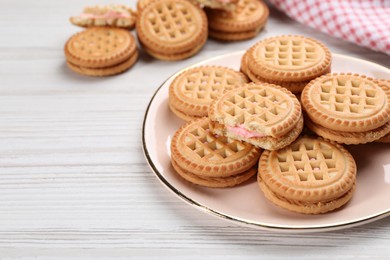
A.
x: 113, y: 15
x: 347, y: 108
x: 290, y: 61
x: 172, y: 29
x: 205, y: 159
x: 265, y: 115
x: 193, y: 90
x: 310, y: 176
x: 244, y: 22
x: 101, y: 51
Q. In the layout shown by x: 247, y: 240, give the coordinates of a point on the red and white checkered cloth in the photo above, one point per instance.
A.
x: 364, y: 22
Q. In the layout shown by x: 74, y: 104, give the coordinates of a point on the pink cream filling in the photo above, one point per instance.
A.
x: 241, y: 131
x: 108, y: 15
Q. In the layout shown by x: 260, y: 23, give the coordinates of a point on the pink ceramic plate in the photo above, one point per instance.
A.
x: 246, y: 204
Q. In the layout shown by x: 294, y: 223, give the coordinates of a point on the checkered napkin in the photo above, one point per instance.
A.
x: 364, y: 22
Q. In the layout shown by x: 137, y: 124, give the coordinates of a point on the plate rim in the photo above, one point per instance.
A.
x: 236, y: 220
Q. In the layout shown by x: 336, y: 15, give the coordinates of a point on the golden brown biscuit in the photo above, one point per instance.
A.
x: 215, y: 182
x: 100, y: 47
x: 289, y: 58
x: 107, y: 71
x: 310, y: 176
x: 101, y: 51
x: 192, y: 91
x: 294, y: 87
x: 239, y: 36
x: 172, y: 29
x: 175, y: 56
x: 346, y: 102
x: 247, y: 19
x: 195, y: 149
x: 343, y: 137
x: 257, y: 111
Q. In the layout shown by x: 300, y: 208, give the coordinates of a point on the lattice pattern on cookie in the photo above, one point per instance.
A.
x: 208, y: 83
x: 210, y: 147
x: 310, y: 162
x: 348, y: 96
x: 264, y: 106
x: 99, y: 42
x: 171, y: 21
x: 291, y: 52
x: 245, y: 9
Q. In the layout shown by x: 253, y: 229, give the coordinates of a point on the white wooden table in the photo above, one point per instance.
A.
x: 73, y: 179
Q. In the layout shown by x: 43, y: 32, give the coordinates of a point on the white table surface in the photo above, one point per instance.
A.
x: 73, y: 179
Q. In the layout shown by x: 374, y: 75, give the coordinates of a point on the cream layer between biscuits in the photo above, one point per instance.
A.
x: 241, y: 131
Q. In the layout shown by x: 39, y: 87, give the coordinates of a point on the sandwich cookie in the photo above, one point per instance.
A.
x: 101, y: 51
x: 192, y: 91
x: 172, y: 29
x: 244, y: 22
x: 290, y: 61
x: 262, y: 114
x: 310, y: 176
x: 205, y: 159
x: 294, y: 87
x: 114, y: 15
x: 347, y: 108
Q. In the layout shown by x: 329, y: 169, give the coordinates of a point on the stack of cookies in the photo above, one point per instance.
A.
x: 290, y: 61
x: 172, y: 29
x: 167, y: 30
x: 101, y: 51
x: 347, y: 108
x: 243, y: 22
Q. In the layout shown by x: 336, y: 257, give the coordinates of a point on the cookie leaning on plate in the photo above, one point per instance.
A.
x: 265, y: 115
x: 172, y: 29
x: 287, y: 60
x: 310, y: 176
x: 192, y: 91
x: 244, y: 22
x: 101, y: 51
x: 205, y: 159
x: 354, y: 108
